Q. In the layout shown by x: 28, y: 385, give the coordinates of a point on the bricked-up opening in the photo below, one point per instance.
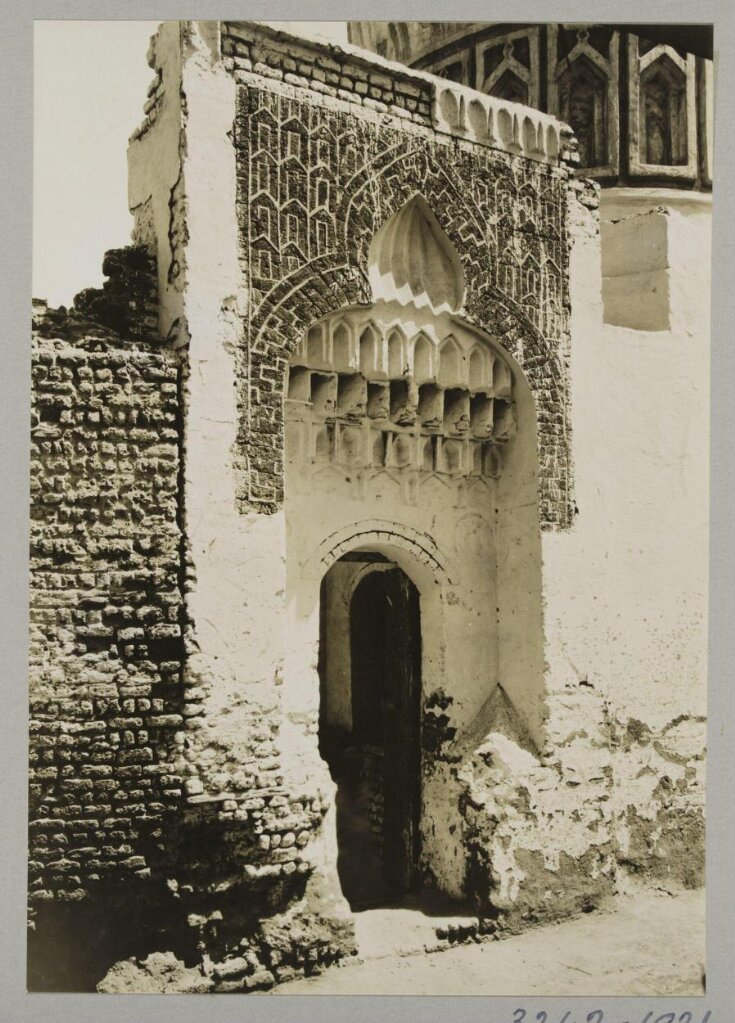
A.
x: 370, y: 683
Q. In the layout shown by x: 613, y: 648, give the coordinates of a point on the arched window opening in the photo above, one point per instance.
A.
x: 663, y: 114
x: 583, y: 105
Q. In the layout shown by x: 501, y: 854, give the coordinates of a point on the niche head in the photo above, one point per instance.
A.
x: 412, y: 260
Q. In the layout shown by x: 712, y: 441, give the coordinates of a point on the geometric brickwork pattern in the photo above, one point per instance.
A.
x: 315, y: 184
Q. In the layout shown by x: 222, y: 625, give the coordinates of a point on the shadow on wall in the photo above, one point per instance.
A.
x: 369, y: 728
x: 73, y: 944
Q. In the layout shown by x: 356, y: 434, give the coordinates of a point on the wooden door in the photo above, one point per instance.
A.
x: 400, y: 698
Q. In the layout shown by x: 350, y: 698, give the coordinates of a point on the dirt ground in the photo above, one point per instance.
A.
x: 648, y: 943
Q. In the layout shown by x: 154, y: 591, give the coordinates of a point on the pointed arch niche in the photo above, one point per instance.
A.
x: 427, y: 425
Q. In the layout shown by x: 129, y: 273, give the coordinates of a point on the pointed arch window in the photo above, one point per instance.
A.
x: 663, y: 115
x: 582, y: 99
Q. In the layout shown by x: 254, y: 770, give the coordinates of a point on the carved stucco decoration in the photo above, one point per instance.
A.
x: 412, y: 259
x: 504, y: 215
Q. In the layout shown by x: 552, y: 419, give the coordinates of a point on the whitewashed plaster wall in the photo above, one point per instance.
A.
x: 155, y: 166
x: 626, y: 588
x: 235, y: 641
x: 623, y: 591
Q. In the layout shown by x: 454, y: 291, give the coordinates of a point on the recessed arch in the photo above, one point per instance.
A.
x: 663, y: 113
x: 369, y: 350
x: 316, y: 346
x: 412, y: 259
x: 415, y: 552
x: 333, y: 282
x: 422, y: 358
x: 451, y: 363
x: 480, y: 367
x: 342, y: 354
x: 397, y: 357
x: 442, y: 450
x: 583, y: 105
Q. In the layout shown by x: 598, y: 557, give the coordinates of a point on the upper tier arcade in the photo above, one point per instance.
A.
x: 641, y: 107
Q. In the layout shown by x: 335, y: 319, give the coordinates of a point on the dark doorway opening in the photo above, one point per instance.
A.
x: 373, y: 752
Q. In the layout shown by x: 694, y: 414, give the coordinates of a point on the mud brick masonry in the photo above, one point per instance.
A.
x: 355, y: 353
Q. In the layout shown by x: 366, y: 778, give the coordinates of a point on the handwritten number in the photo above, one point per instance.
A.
x: 597, y: 1016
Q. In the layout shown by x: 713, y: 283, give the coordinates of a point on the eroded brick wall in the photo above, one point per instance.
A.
x: 106, y: 611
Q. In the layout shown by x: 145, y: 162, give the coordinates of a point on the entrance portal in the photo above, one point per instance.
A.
x: 370, y: 671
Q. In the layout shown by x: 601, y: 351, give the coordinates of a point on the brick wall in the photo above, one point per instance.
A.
x: 330, y: 72
x: 105, y: 609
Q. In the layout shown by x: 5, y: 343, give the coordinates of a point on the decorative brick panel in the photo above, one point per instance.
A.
x: 315, y: 184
